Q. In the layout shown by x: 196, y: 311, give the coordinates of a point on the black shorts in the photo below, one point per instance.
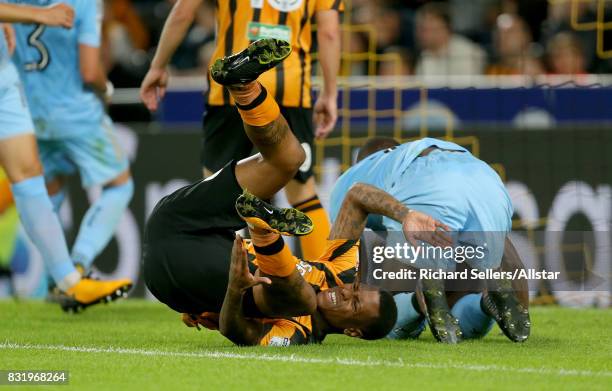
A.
x: 224, y: 138
x: 188, y: 242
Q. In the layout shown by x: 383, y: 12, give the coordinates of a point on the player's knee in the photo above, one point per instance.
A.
x: 22, y: 172
x: 295, y: 158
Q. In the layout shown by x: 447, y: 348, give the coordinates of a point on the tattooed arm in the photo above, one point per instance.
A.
x: 363, y: 199
x: 232, y: 323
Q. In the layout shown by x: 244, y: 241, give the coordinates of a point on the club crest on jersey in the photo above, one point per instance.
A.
x: 285, y: 5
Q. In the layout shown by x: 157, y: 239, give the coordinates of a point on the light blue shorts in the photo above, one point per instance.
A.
x: 464, y: 193
x: 96, y: 155
x: 14, y: 114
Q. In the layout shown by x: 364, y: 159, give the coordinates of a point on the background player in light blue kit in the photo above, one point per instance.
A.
x: 19, y: 158
x: 445, y: 181
x: 65, y: 86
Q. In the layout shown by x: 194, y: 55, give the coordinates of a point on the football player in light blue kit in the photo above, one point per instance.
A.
x: 445, y: 181
x: 19, y: 158
x: 65, y: 86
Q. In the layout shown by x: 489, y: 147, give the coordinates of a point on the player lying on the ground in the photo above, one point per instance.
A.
x: 237, y: 25
x: 20, y: 160
x: 445, y: 181
x: 190, y: 234
x: 283, y: 284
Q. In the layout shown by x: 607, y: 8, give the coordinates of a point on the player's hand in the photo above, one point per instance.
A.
x: 419, y: 226
x: 59, y: 14
x: 153, y: 88
x: 9, y: 34
x: 240, y: 277
x: 325, y: 115
x: 210, y: 320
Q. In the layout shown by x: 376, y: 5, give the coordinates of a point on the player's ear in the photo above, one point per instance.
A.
x: 355, y: 333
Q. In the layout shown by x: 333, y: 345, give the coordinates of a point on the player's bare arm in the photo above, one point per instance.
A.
x: 363, y: 199
x: 329, y: 43
x: 55, y: 15
x: 9, y: 34
x: 153, y: 87
x: 232, y: 323
x: 92, y: 72
x: 285, y: 297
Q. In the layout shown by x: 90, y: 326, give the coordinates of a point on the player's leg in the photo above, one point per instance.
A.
x: 56, y: 188
x: 102, y: 218
x: 301, y: 191
x: 410, y: 321
x: 473, y: 320
x: 19, y: 157
x: 101, y: 162
x: 280, y: 152
x: 289, y: 294
x: 507, y: 301
x: 477, y: 312
x: 432, y: 197
x: 489, y: 222
x: 223, y: 138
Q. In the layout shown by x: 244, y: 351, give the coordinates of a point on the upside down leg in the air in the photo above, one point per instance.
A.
x: 281, y: 154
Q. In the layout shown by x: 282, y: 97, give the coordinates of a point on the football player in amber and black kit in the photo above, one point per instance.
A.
x: 191, y: 233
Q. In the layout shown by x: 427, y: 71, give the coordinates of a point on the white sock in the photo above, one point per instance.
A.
x: 69, y: 281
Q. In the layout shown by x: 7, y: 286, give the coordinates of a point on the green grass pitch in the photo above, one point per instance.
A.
x: 141, y: 345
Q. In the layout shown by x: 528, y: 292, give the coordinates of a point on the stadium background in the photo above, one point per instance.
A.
x: 546, y: 132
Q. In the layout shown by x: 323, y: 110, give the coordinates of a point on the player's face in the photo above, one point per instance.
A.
x: 349, y: 306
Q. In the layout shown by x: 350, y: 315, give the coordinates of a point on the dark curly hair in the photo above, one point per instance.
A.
x: 387, y: 316
x: 374, y: 145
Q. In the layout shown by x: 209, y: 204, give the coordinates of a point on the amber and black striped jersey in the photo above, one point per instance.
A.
x: 337, y: 266
x: 240, y: 22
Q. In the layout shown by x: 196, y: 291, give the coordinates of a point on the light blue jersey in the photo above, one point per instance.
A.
x: 14, y: 115
x: 383, y: 169
x: 48, y: 61
x: 448, y: 184
x: 73, y: 131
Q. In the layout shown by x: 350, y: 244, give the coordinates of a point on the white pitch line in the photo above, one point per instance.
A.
x: 292, y: 358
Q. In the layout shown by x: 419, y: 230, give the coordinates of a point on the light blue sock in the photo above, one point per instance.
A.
x: 57, y: 199
x: 474, y: 323
x: 410, y: 323
x: 44, y: 229
x: 100, y: 221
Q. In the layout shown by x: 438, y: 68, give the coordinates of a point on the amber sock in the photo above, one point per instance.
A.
x: 258, y: 111
x: 262, y: 237
x: 314, y: 244
x: 275, y: 259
